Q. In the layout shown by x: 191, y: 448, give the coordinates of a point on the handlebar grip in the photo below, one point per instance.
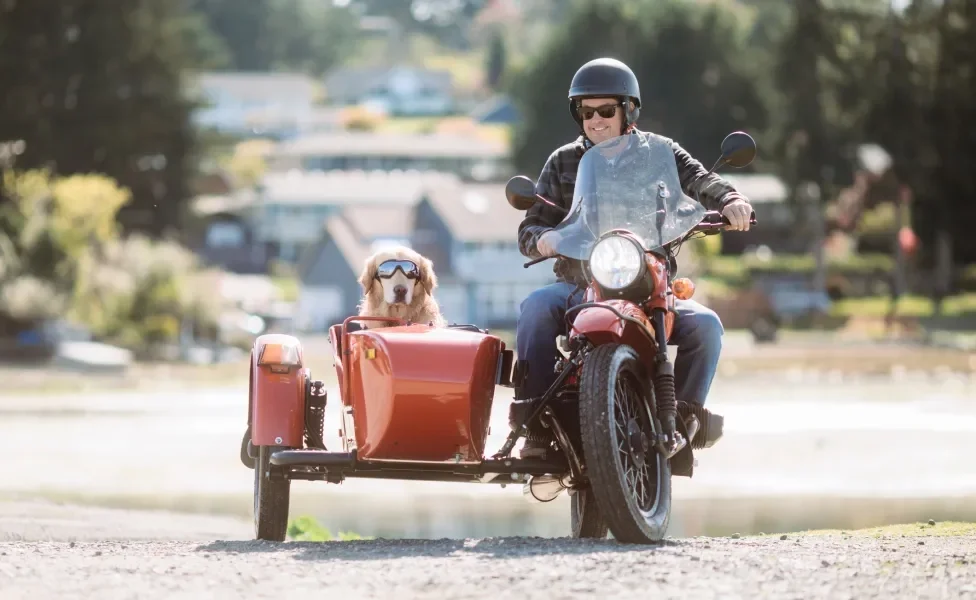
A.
x: 535, y: 261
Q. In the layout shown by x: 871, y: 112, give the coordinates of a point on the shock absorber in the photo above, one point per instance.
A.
x: 315, y: 399
x: 667, y: 404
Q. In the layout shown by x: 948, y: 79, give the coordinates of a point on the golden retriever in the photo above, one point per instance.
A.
x: 398, y: 293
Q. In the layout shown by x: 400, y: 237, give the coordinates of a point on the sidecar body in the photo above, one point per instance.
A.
x: 415, y: 403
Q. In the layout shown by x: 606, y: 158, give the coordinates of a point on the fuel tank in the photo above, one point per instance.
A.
x: 422, y: 393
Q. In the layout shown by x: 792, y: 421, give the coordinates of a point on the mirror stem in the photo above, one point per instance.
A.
x: 717, y: 163
x: 552, y: 204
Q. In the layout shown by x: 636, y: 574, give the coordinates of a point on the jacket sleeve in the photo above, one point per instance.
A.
x: 714, y: 191
x: 541, y: 218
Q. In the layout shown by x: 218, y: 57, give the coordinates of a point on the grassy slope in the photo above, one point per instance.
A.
x: 948, y: 528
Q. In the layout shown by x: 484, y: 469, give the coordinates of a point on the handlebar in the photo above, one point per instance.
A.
x: 712, y: 222
x: 537, y: 261
x: 716, y: 221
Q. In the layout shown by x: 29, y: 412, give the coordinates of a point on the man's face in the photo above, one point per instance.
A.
x: 597, y: 127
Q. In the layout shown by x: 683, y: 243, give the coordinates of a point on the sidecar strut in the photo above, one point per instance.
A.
x: 335, y: 466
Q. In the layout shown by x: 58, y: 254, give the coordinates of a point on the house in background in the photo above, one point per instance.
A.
x: 468, y: 158
x: 286, y: 212
x: 498, y: 110
x: 222, y: 235
x: 277, y: 105
x: 397, y: 91
x: 476, y: 232
x: 329, y: 269
x: 468, y: 231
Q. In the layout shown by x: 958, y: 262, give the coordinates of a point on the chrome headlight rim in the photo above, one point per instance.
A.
x: 602, y: 277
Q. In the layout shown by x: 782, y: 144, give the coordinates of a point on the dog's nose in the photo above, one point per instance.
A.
x: 399, y: 291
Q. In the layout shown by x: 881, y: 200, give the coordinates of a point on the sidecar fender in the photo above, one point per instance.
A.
x: 278, y: 379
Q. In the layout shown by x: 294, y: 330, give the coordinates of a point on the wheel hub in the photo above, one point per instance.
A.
x: 637, y: 442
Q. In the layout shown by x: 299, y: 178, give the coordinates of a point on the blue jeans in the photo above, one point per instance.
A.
x: 697, y: 334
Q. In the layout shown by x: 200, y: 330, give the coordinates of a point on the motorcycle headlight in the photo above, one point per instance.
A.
x: 616, y: 262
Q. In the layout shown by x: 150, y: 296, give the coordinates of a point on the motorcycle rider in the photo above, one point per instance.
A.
x: 598, y: 92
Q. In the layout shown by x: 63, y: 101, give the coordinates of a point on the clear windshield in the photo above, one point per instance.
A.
x: 628, y: 182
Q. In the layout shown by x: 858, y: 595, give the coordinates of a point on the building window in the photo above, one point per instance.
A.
x: 225, y: 234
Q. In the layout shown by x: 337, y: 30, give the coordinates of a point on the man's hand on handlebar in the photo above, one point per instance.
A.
x: 738, y: 213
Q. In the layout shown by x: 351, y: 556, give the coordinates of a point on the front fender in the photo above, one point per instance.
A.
x: 602, y: 326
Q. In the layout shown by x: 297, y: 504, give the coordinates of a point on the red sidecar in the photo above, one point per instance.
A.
x: 415, y: 403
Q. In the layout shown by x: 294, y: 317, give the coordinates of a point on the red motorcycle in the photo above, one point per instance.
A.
x: 416, y: 399
x: 612, y: 408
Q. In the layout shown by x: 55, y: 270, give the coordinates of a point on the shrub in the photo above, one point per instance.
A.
x: 308, y: 529
x: 60, y: 254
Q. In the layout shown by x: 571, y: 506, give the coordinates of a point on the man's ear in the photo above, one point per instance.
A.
x: 427, y: 277
x: 367, y: 275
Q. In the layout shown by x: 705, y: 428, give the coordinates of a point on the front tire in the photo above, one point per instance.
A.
x: 629, y: 478
x: 272, y: 496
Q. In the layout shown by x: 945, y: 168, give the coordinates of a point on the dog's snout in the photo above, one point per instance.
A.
x: 400, y: 291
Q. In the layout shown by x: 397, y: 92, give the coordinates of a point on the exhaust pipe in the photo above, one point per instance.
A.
x: 544, y: 488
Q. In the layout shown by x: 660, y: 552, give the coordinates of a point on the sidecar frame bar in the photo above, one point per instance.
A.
x: 335, y: 466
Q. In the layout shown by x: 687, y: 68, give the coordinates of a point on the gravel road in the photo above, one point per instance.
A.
x: 40, y: 566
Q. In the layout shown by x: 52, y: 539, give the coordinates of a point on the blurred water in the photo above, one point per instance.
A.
x: 793, y: 453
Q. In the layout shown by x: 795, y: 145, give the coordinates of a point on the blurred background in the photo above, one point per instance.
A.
x: 177, y: 178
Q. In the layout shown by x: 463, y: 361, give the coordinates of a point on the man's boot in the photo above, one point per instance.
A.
x: 537, y: 440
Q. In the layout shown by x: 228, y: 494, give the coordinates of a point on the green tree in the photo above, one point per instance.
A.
x: 97, y: 87
x: 295, y: 35
x: 950, y: 204
x: 690, y: 59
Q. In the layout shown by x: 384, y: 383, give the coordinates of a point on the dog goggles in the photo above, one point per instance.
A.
x: 387, y: 268
x: 606, y: 111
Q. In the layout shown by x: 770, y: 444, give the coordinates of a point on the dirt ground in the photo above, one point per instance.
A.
x: 73, y: 553
x: 52, y: 550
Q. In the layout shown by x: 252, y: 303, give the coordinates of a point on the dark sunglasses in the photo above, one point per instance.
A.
x: 387, y: 268
x: 606, y: 111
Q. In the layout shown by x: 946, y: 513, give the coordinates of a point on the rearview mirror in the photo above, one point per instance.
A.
x: 520, y: 192
x: 738, y: 149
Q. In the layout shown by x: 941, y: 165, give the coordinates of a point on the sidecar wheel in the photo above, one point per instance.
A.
x: 272, y: 495
x: 630, y: 480
x: 586, y: 520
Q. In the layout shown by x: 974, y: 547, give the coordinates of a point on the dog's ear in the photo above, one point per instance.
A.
x: 367, y: 275
x: 427, y: 277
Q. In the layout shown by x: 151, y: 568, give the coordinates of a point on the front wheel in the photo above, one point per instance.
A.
x: 272, y: 496
x: 629, y: 479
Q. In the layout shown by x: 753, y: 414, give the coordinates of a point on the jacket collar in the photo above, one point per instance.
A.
x: 583, y: 143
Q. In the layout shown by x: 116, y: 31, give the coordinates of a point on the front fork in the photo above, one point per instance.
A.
x: 670, y: 441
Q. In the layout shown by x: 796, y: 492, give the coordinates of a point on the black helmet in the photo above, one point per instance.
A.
x: 602, y: 78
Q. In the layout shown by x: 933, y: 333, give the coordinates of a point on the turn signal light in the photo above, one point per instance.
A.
x: 683, y: 288
x: 279, y: 355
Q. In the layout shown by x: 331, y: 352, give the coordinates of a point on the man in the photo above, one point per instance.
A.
x: 605, y: 100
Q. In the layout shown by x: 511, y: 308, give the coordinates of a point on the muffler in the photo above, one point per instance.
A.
x: 543, y: 488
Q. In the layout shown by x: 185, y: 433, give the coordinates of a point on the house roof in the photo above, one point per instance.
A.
x: 369, y: 222
x: 362, y: 143
x: 477, y: 212
x: 258, y: 85
x: 499, y: 109
x: 233, y: 202
x: 347, y: 187
x: 357, y: 82
x: 353, y: 249
x: 759, y: 188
